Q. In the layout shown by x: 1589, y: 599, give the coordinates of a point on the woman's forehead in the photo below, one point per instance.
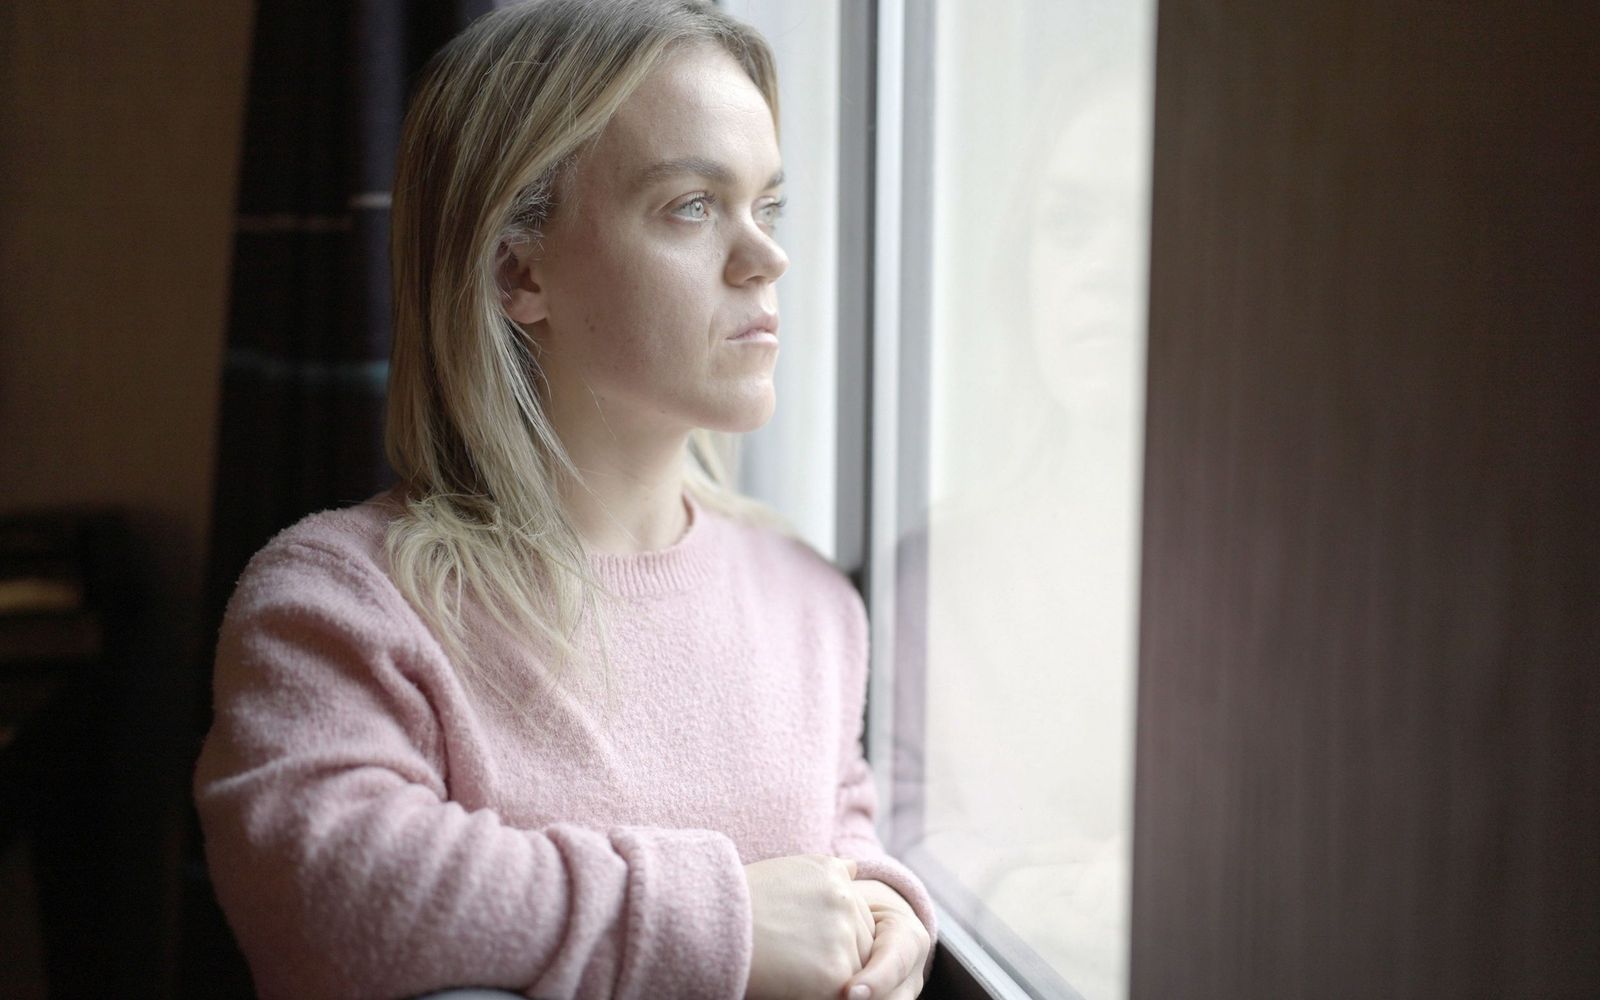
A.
x: 698, y: 78
x: 698, y: 109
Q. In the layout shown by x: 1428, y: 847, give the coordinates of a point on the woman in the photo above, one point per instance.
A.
x: 561, y: 713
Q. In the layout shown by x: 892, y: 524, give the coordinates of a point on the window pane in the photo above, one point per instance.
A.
x: 1041, y: 118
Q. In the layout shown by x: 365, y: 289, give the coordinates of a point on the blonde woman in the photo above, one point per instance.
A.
x: 562, y: 714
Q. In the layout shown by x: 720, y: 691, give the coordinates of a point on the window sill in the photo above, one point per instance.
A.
x: 962, y: 970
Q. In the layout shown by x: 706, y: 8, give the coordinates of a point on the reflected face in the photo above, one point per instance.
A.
x: 1086, y: 275
x: 661, y: 249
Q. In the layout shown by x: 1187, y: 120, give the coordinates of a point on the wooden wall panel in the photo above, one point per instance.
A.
x: 1369, y: 716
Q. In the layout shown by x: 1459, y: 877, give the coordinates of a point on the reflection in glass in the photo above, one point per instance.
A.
x: 1039, y: 277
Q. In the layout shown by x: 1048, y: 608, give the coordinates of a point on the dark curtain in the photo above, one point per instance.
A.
x: 308, y: 343
x: 301, y: 425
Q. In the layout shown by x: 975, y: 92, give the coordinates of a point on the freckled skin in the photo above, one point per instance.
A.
x: 641, y: 287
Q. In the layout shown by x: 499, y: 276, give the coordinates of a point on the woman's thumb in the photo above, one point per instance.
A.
x: 851, y: 866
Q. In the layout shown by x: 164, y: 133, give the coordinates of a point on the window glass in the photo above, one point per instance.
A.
x: 1020, y: 814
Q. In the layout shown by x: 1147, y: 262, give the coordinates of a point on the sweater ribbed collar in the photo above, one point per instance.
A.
x: 689, y: 561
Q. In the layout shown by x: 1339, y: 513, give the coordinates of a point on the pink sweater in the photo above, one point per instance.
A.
x: 375, y: 829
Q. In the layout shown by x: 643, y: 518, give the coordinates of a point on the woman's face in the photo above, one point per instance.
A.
x: 660, y: 251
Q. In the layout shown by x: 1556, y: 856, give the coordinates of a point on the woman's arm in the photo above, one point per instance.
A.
x: 345, y: 871
x: 856, y: 839
x: 855, y: 835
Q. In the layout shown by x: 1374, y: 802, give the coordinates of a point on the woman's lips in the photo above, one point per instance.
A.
x: 762, y: 327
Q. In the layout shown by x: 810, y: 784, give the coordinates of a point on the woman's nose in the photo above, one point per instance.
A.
x: 757, y: 256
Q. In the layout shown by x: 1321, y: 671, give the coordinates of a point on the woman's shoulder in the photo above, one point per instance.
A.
x: 779, y: 554
x: 356, y: 529
x: 330, y: 557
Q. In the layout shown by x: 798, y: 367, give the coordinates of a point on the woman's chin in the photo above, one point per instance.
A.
x: 744, y: 415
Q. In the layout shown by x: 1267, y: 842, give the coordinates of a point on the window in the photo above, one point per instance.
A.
x: 1007, y: 444
x: 984, y: 267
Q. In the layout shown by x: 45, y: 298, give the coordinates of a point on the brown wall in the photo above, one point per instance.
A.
x: 119, y: 128
x: 1369, y: 716
x: 119, y: 139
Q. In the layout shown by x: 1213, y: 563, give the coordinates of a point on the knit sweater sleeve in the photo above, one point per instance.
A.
x: 344, y: 869
x: 855, y: 835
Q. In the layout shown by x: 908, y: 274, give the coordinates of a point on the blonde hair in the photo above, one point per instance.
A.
x: 500, y: 115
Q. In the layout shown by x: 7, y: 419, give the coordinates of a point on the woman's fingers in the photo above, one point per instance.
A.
x: 897, y: 955
x: 865, y: 929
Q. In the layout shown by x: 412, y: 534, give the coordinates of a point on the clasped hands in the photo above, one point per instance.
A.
x: 822, y: 934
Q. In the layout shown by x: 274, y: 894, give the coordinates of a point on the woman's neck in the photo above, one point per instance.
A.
x: 632, y: 497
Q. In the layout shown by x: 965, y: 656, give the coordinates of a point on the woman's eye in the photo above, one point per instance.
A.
x: 698, y: 209
x: 774, y: 210
x: 703, y: 201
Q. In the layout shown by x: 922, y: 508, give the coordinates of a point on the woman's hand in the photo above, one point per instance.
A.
x: 812, y: 927
x: 900, y: 943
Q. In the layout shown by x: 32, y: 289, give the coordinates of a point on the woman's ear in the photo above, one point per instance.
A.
x: 517, y: 273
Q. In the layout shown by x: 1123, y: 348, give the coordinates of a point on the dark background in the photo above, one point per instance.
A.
x: 119, y: 143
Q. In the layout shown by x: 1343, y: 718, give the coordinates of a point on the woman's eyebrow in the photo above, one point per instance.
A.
x: 698, y: 165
